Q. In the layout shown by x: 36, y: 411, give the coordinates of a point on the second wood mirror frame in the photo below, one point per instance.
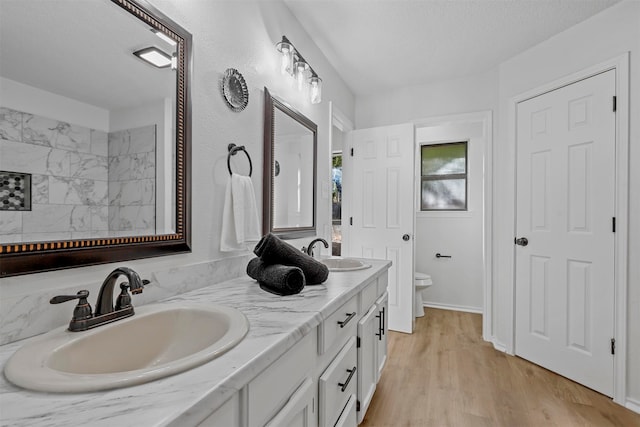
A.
x: 290, y: 161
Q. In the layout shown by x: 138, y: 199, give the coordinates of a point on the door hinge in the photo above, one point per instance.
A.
x: 615, y: 103
x: 358, y: 342
x: 350, y: 220
x: 351, y: 151
x: 358, y: 405
x: 613, y: 346
x: 613, y: 224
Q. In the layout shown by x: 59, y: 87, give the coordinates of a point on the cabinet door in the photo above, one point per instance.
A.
x: 382, y: 305
x: 367, y: 359
x: 348, y: 417
x: 298, y: 412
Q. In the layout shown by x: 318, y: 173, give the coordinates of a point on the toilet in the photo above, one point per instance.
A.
x: 422, y: 282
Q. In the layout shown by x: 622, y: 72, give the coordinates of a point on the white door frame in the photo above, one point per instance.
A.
x: 621, y: 66
x: 486, y: 117
x: 344, y: 124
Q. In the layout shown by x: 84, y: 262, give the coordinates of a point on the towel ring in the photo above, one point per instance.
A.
x: 233, y: 149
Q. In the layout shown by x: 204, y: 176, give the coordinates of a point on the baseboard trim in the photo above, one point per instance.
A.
x: 466, y: 309
x: 633, y: 405
x: 498, y: 346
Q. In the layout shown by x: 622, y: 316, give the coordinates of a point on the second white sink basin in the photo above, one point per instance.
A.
x: 158, y: 341
x: 344, y: 264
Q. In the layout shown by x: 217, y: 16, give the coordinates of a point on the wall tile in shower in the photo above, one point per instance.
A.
x: 53, y: 133
x: 10, y: 124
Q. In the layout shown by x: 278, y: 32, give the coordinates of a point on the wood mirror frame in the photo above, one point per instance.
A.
x: 270, y: 104
x: 33, y: 257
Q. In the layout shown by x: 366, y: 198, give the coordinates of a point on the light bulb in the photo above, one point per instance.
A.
x: 301, y: 74
x: 316, y: 89
x: 287, y: 51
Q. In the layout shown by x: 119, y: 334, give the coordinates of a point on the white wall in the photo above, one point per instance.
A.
x: 469, y: 94
x: 226, y: 34
x: 457, y: 281
x: 29, y: 99
x: 611, y: 33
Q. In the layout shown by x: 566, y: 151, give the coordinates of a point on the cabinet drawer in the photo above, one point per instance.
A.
x: 298, y: 412
x: 348, y: 416
x: 339, y: 325
x: 368, y: 296
x: 269, y: 392
x: 228, y: 415
x: 383, y: 282
x: 338, y: 383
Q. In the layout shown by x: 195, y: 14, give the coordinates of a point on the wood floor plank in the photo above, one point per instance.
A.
x: 444, y: 374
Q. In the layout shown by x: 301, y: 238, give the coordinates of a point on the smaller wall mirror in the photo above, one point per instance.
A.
x: 289, y: 185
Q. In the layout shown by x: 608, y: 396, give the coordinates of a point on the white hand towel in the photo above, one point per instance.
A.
x: 240, y: 215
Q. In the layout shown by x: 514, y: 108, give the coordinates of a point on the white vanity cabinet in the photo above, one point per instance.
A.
x: 372, y: 341
x: 367, y: 331
x: 327, y: 379
x: 284, y: 393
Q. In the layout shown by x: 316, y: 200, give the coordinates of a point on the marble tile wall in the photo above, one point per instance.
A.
x: 25, y: 314
x: 132, y: 173
x: 69, y: 168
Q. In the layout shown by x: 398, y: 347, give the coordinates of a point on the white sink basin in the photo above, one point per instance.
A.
x: 158, y: 341
x: 344, y: 264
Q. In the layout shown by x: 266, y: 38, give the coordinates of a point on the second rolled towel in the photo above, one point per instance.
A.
x: 272, y: 250
x: 276, y: 278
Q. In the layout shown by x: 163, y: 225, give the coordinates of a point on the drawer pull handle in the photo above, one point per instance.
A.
x: 343, y: 386
x: 384, y: 314
x: 344, y: 322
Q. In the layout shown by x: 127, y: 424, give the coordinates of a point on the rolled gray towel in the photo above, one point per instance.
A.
x: 276, y: 278
x: 272, y: 250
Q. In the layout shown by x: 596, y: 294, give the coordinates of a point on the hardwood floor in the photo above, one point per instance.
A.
x: 444, y: 374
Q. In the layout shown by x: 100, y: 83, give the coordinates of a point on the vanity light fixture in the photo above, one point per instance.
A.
x: 164, y: 37
x: 294, y: 64
x: 286, y: 50
x: 154, y: 56
x: 316, y: 89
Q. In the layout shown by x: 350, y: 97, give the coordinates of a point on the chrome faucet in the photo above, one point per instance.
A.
x: 84, y: 319
x: 309, y: 249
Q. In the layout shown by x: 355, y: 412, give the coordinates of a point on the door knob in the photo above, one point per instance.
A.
x: 522, y: 241
x: 406, y: 237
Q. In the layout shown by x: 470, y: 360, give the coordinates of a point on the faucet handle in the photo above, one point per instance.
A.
x: 82, y: 310
x: 124, y: 299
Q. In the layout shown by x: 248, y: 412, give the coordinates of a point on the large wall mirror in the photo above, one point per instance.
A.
x: 94, y: 138
x: 289, y: 193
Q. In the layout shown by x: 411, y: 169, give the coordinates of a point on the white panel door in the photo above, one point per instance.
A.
x: 380, y: 210
x: 565, y: 208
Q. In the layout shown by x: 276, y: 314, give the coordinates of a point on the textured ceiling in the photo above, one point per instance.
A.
x: 380, y: 45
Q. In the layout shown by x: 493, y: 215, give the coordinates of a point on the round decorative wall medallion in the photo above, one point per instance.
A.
x: 234, y: 90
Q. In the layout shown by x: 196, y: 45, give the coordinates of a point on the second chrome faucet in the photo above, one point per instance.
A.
x: 309, y: 249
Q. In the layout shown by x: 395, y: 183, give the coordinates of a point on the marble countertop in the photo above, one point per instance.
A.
x: 276, y: 324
